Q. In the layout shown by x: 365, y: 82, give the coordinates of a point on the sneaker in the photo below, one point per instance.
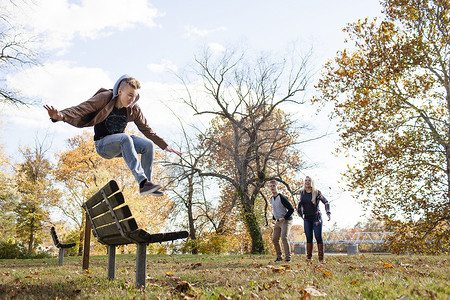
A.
x: 148, y: 188
x: 278, y: 259
x: 157, y: 193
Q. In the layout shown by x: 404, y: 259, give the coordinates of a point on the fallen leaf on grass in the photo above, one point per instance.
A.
x: 327, y: 274
x: 385, y: 264
x: 194, y: 266
x: 269, y: 285
x: 223, y: 297
x: 311, y: 291
x: 184, y: 296
x: 184, y: 287
x: 405, y: 265
x: 87, y: 271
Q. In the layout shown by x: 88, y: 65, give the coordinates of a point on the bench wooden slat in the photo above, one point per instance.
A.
x: 111, y: 230
x: 142, y: 236
x: 117, y: 240
x: 101, y: 208
x: 110, y: 188
x: 122, y: 213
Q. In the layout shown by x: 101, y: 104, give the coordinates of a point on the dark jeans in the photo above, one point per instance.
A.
x: 309, y: 228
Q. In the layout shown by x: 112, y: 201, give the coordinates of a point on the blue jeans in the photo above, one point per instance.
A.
x: 309, y: 228
x: 128, y: 147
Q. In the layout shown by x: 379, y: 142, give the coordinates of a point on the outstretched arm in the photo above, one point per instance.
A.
x: 172, y: 150
x: 53, y: 113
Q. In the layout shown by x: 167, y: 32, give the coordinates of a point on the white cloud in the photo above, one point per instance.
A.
x: 193, y: 32
x: 60, y: 21
x: 59, y: 83
x: 164, y: 66
x: 216, y: 47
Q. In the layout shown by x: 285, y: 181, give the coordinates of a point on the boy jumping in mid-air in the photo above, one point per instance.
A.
x: 109, y: 111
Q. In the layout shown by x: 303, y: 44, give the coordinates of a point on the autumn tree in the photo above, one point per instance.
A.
x: 250, y: 139
x: 35, y: 190
x: 391, y: 94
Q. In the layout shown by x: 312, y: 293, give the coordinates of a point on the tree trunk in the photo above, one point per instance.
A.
x: 192, y: 232
x: 447, y: 171
x: 253, y: 229
x: 81, y: 238
x: 31, y: 240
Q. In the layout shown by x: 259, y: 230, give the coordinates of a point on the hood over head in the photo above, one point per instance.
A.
x: 116, y: 88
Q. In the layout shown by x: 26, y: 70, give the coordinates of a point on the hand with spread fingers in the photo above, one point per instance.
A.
x: 53, y: 113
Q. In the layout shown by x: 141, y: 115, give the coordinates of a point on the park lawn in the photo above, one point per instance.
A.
x: 366, y: 276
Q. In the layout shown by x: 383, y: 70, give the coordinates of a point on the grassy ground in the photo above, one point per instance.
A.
x: 367, y: 276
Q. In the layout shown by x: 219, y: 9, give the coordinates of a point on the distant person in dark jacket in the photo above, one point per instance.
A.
x: 282, y: 220
x: 109, y: 111
x: 308, y: 209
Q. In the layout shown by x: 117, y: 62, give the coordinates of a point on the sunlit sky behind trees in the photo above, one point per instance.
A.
x: 85, y: 45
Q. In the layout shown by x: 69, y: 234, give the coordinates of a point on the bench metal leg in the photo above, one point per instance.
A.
x: 141, y: 264
x: 111, y: 262
x: 61, y: 256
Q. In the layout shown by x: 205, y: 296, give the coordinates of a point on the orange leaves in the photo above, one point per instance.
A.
x: 325, y: 273
x: 385, y: 264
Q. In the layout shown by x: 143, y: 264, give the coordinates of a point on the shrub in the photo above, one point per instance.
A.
x: 11, y: 250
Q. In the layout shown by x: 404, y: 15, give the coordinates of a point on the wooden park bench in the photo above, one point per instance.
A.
x: 113, y: 224
x: 59, y: 245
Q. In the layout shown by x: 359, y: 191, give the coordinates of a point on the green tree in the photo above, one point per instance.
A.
x: 8, y: 200
x: 35, y: 189
x: 391, y: 94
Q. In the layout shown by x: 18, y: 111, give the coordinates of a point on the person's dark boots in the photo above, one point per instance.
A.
x: 320, y: 251
x: 309, y: 248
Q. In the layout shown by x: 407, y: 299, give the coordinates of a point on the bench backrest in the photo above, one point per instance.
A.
x: 58, y: 244
x: 54, y: 237
x: 111, y: 221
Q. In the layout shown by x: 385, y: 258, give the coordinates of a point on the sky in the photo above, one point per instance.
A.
x: 88, y: 44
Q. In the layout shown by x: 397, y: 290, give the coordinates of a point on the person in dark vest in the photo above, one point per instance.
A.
x: 109, y: 111
x: 282, y: 220
x: 308, y: 209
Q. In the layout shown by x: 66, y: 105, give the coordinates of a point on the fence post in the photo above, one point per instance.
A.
x: 352, y: 249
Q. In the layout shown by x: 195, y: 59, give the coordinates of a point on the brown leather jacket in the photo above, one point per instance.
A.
x: 96, y: 109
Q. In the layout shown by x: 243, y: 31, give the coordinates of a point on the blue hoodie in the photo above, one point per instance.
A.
x: 116, y: 88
